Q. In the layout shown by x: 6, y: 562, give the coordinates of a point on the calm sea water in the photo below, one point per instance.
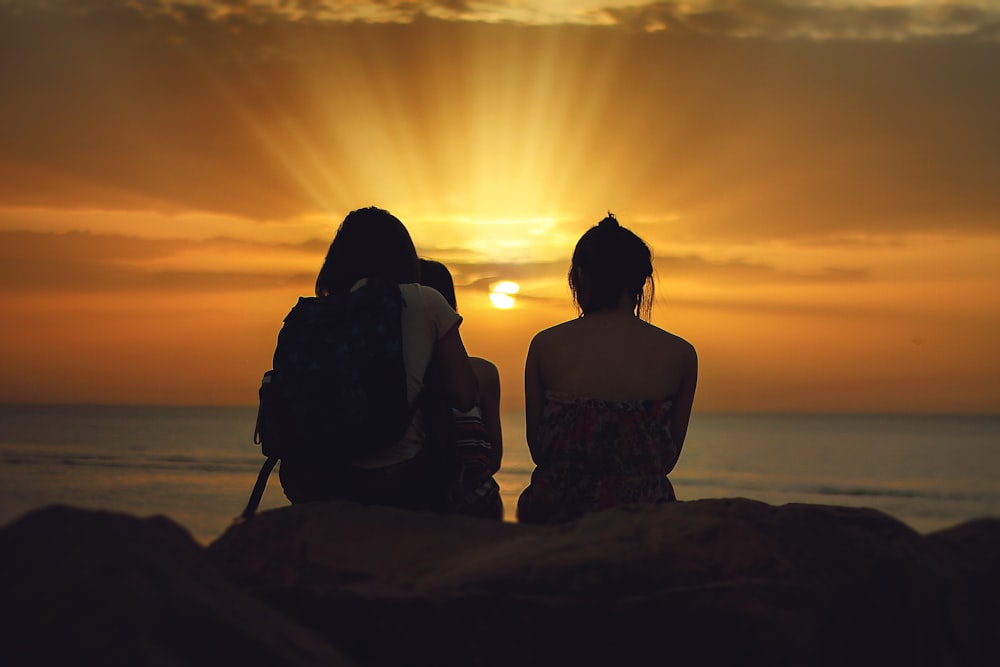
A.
x: 197, y: 465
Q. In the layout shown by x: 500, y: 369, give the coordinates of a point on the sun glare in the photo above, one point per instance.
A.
x: 502, y: 294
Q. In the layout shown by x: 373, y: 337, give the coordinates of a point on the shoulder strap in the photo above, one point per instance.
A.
x: 258, y: 490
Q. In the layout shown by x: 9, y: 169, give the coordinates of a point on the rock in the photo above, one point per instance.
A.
x: 974, y: 604
x: 97, y: 588
x: 708, y: 582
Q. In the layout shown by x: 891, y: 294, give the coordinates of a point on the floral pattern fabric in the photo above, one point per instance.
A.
x: 593, y: 454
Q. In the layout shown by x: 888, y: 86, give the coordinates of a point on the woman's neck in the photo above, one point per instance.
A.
x: 624, y: 307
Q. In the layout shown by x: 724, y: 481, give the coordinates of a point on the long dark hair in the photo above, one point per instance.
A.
x: 370, y: 243
x: 608, y: 261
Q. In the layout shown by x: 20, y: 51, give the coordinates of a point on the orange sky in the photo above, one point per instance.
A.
x: 817, y: 182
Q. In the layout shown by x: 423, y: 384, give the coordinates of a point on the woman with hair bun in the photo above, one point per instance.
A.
x: 608, y: 396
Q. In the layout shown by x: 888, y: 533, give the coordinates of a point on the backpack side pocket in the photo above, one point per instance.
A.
x: 264, y: 433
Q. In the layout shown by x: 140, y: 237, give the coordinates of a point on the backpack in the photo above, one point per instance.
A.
x: 337, y: 387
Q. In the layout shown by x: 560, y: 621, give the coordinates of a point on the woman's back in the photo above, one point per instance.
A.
x: 610, y: 356
x: 601, y: 397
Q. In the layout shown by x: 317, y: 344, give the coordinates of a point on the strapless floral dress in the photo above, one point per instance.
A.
x: 593, y: 454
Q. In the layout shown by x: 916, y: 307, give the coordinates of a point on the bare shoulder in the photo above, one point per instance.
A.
x: 554, y: 335
x: 681, y: 344
x: 673, y: 345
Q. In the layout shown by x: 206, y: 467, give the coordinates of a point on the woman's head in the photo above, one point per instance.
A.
x: 610, y: 262
x: 370, y: 243
x: 436, y: 275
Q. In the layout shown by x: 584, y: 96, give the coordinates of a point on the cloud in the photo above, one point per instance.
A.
x: 83, y: 262
x: 747, y: 273
x: 772, y: 19
x: 274, y: 111
x: 479, y: 276
x: 788, y: 19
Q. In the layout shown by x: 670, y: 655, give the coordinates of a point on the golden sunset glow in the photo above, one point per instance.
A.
x: 502, y: 300
x: 818, y: 187
x: 502, y: 294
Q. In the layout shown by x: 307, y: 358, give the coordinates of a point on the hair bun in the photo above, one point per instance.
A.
x: 610, y: 221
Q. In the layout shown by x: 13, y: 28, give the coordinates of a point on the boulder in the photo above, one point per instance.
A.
x: 707, y: 582
x: 98, y: 588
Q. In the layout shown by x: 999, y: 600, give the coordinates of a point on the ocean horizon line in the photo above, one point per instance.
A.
x: 705, y: 412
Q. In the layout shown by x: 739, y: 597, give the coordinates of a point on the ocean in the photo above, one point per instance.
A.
x: 197, y: 465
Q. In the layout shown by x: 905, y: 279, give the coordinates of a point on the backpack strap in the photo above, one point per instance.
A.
x: 258, y: 490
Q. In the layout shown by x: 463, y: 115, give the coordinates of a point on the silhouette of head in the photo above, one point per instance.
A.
x: 610, y: 261
x: 370, y: 243
x: 436, y: 275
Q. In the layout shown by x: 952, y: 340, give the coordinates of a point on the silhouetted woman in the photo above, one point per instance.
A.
x: 608, y: 396
x: 471, y: 440
x: 372, y: 245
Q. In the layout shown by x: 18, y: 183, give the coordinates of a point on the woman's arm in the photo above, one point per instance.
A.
x: 533, y: 396
x: 459, y: 378
x: 680, y: 411
x: 489, y: 403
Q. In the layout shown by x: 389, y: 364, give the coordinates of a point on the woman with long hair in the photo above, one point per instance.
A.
x: 373, y: 248
x: 608, y: 395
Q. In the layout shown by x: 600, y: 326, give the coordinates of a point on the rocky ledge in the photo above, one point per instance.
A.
x: 708, y: 582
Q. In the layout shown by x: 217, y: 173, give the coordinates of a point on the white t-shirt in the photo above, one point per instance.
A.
x: 426, y: 319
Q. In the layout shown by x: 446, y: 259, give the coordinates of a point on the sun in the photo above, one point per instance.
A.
x: 502, y: 294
